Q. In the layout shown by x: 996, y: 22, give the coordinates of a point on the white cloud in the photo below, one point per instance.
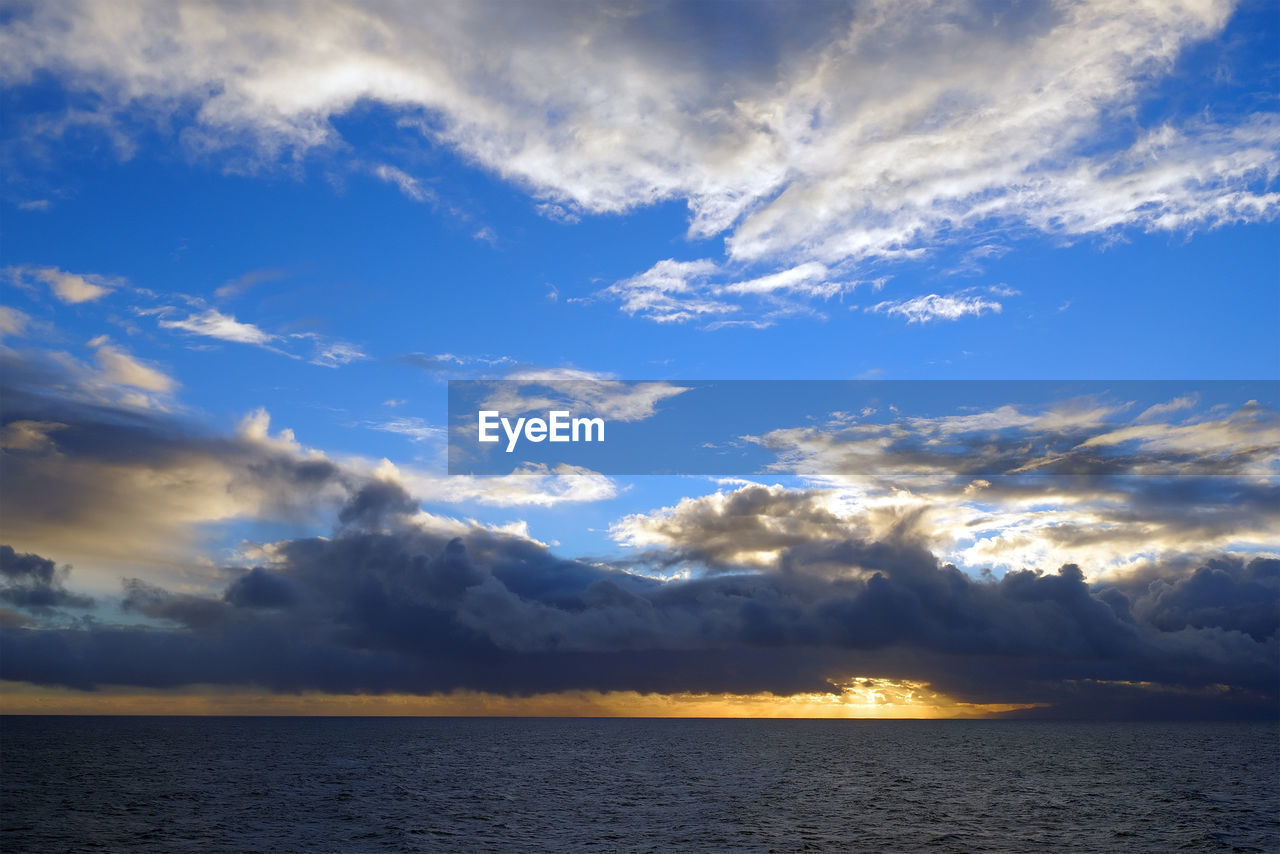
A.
x: 211, y: 323
x: 405, y: 182
x: 674, y: 291
x: 335, y: 354
x: 670, y: 291
x: 731, y: 324
x: 879, y: 130
x: 121, y: 368
x: 535, y: 485
x: 415, y: 428
x: 214, y: 324
x: 932, y: 307
x: 585, y: 392
x: 70, y: 288
x: 452, y: 365
x: 1107, y: 525
x: 805, y: 278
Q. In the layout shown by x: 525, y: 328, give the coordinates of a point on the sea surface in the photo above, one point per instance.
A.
x: 513, y: 785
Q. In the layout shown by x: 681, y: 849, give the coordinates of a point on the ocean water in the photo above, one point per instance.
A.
x: 449, y: 784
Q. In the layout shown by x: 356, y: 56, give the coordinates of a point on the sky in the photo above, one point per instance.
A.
x: 245, y: 249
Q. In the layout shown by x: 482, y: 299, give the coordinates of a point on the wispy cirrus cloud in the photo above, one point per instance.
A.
x: 212, y: 323
x: 702, y: 292
x: 457, y: 365
x: 934, y: 307
x: 241, y: 284
x: 670, y: 291
x: 331, y: 353
x: 402, y: 181
x: 208, y: 322
x: 416, y: 429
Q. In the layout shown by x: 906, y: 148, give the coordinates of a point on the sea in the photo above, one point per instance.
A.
x: 543, y: 784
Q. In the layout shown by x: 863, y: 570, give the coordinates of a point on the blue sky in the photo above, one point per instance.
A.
x: 221, y: 223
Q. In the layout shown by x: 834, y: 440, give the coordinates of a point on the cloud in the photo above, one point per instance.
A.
x: 805, y: 278
x: 857, y: 134
x: 110, y: 480
x: 415, y: 428
x: 1086, y: 480
x: 667, y: 292
x: 388, y: 604
x: 768, y: 588
x: 70, y: 288
x: 34, y: 583
x: 1112, y: 525
x: 1083, y: 435
x: 330, y: 353
x: 405, y: 182
x: 120, y: 367
x: 931, y: 307
x: 260, y: 588
x: 682, y: 291
x: 212, y: 323
x: 533, y: 485
x: 582, y: 392
x: 13, y: 322
x: 104, y: 479
x: 452, y: 365
x: 748, y: 527
x: 119, y: 381
x: 239, y: 285
x: 1228, y: 593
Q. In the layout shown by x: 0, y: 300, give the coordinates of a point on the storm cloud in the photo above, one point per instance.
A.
x: 36, y: 583
x: 386, y: 604
x: 748, y: 590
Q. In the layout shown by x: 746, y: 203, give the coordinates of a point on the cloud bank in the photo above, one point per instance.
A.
x: 755, y: 589
x: 387, y: 605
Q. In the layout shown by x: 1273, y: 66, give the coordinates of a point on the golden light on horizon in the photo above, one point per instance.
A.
x: 861, y: 698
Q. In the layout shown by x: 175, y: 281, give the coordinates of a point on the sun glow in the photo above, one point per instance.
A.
x: 862, y: 698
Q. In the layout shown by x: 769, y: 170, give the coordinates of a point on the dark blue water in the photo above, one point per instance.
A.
x: 447, y: 784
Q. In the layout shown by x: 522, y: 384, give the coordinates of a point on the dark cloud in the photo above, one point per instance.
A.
x: 1226, y: 593
x: 261, y: 588
x: 196, y: 612
x: 36, y: 583
x: 375, y: 503
x: 386, y: 605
